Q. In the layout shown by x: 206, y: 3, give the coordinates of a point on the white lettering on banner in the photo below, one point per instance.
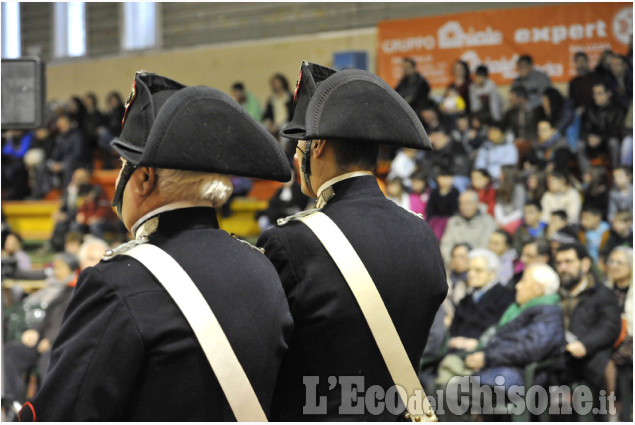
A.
x: 452, y: 36
x: 407, y: 44
x: 559, y: 33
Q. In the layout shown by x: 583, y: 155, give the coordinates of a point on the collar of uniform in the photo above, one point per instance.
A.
x: 148, y: 224
x: 326, y: 192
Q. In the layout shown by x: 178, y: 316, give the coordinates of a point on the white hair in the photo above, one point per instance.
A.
x: 547, y: 277
x: 185, y: 185
x: 88, y: 242
x: 628, y: 253
x: 492, y: 259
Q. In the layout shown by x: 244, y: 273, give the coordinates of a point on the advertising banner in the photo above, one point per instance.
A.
x: 550, y: 34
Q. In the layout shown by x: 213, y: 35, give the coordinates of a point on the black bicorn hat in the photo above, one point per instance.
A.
x: 357, y: 105
x: 170, y: 125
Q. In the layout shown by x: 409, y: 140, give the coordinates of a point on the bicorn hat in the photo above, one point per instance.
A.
x: 356, y: 105
x: 169, y: 125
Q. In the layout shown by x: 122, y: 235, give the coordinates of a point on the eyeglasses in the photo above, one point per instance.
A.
x: 616, y: 263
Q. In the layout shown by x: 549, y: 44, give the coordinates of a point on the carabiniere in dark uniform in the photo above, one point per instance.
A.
x: 125, y: 351
x: 331, y: 338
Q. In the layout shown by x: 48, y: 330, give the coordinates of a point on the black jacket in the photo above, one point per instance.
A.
x: 125, y: 351
x: 604, y: 121
x: 331, y: 337
x: 472, y: 319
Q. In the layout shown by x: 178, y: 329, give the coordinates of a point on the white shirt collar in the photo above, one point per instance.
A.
x: 341, y: 177
x: 164, y: 208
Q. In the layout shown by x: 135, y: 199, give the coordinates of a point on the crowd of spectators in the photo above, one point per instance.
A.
x: 530, y: 198
x: 532, y: 204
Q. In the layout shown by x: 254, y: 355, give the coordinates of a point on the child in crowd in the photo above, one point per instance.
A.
x: 621, y: 233
x: 496, y: 152
x: 397, y: 193
x: 482, y: 184
x: 531, y: 228
x: 596, y: 189
x: 510, y: 199
x: 621, y: 194
x: 535, y: 185
x: 420, y: 193
x: 500, y: 243
x: 594, y: 232
x: 560, y: 196
x: 557, y: 220
x: 443, y: 202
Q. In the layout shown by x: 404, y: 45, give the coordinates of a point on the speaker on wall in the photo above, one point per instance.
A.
x: 23, y: 93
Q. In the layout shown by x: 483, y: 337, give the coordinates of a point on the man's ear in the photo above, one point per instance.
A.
x: 318, y: 149
x: 143, y: 181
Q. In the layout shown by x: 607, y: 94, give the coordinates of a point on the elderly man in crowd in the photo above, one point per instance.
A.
x: 470, y: 225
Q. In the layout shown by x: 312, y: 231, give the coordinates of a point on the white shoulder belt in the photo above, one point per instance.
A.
x: 230, y: 374
x: 376, y: 314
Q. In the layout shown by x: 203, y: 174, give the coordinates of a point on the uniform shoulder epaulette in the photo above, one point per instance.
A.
x: 122, y: 249
x: 260, y: 250
x: 282, y: 221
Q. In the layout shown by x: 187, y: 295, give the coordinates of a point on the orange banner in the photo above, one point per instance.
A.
x: 550, y: 34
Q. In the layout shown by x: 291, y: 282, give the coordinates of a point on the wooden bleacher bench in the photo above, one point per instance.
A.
x: 31, y: 219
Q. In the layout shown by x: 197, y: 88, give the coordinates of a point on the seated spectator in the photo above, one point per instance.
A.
x: 65, y: 216
x: 443, y: 202
x: 594, y: 233
x: 560, y: 113
x: 470, y: 225
x: 431, y: 118
x: 15, y: 179
x: 93, y: 121
x: 396, y: 192
x: 510, y: 199
x: 560, y: 196
x: 420, y: 193
x: 68, y: 154
x: 477, y: 135
x: 496, y: 152
x: 13, y: 256
x: 457, y: 280
x: 447, y: 155
x: 591, y: 318
x: 413, y: 87
x: 94, y: 213
x: 621, y: 233
x: 33, y: 351
x: 581, y: 86
x: 621, y: 80
x: 461, y: 134
x: 530, y: 330
x: 602, y: 130
x: 520, y: 119
x: 287, y: 200
x: 485, y: 97
x: 500, y: 243
x: 247, y: 100
x: 537, y: 251
x: 621, y: 194
x: 485, y: 305
x: 535, y: 184
x: 477, y: 311
x: 552, y: 152
x: 73, y: 241
x: 113, y: 117
x: 533, y: 80
x: 481, y: 182
x: 531, y: 228
x: 557, y: 221
x: 620, y: 367
x: 461, y: 81
x: 37, y: 155
x: 596, y: 189
x: 403, y: 165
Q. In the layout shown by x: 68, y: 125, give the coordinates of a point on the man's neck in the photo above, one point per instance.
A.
x: 581, y: 286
